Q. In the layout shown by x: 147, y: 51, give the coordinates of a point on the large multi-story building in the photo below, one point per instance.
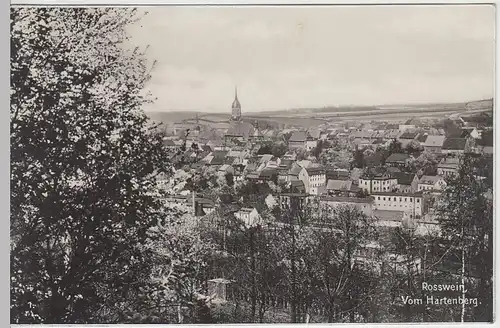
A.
x: 362, y: 204
x: 378, y: 183
x: 316, y: 179
x: 412, y: 204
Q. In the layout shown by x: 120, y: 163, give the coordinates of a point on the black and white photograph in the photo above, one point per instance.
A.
x: 252, y: 164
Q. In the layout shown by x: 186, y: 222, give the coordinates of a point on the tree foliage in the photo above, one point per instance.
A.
x: 82, y: 166
x: 466, y: 217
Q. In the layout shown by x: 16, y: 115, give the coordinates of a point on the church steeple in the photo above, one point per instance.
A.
x: 236, y: 107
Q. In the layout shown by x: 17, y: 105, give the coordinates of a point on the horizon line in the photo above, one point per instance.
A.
x: 209, y: 111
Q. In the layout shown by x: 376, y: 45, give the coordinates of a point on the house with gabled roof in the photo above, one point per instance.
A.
x: 448, y: 166
x: 302, y: 140
x: 297, y: 140
x: 455, y: 146
x: 249, y: 216
x: 344, y: 188
x: 268, y: 174
x: 408, y: 125
x: 314, y: 134
x: 391, y: 134
x: 406, y: 182
x: 397, y: 159
x: 434, y: 144
x: 407, y: 137
x: 316, y: 178
x: 431, y: 183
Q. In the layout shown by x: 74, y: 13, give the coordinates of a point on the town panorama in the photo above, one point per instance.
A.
x: 330, y: 214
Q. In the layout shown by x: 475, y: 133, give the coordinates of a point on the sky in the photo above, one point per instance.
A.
x: 316, y: 56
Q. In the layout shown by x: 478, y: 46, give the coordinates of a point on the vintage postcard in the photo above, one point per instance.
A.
x: 252, y: 164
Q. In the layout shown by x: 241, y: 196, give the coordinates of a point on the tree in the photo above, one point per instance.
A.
x: 358, y: 158
x: 287, y: 136
x: 321, y: 145
x: 413, y: 147
x: 486, y: 138
x: 343, y: 233
x: 450, y: 128
x: 202, y: 180
x: 426, y: 163
x: 82, y: 167
x: 180, y: 259
x: 416, y: 260
x: 395, y: 147
x: 339, y: 158
x: 279, y: 149
x: 302, y: 154
x: 265, y: 149
x: 466, y: 217
x: 361, y: 193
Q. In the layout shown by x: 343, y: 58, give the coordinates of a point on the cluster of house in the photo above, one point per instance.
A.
x: 384, y: 191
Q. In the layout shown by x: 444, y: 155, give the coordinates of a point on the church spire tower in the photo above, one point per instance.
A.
x: 236, y: 107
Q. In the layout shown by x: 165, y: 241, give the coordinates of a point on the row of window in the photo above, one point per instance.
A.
x: 401, y: 199
x: 381, y: 189
x: 377, y: 182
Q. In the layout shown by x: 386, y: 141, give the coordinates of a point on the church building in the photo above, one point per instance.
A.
x: 239, y: 130
x: 236, y: 107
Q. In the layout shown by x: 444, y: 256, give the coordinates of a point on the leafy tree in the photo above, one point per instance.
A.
x: 202, y: 180
x: 339, y: 158
x: 265, y: 149
x: 302, y: 154
x: 318, y: 150
x: 361, y: 193
x: 466, y: 217
x: 287, y: 136
x: 229, y: 179
x: 486, y: 138
x: 426, y: 163
x: 413, y: 147
x: 450, y: 128
x: 417, y: 259
x: 358, y: 158
x: 345, y: 230
x: 279, y: 149
x: 180, y: 265
x: 82, y: 163
x: 395, y: 147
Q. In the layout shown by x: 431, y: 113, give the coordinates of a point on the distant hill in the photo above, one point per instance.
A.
x: 171, y: 117
x: 316, y: 116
